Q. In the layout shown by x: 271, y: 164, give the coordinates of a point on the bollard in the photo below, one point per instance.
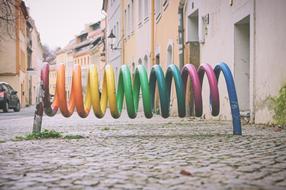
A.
x: 37, y: 125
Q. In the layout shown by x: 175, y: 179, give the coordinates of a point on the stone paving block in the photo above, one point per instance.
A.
x: 142, y: 154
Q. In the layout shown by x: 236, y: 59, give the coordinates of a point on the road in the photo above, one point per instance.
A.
x: 11, y: 115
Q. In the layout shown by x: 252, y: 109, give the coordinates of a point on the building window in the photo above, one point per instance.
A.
x: 125, y: 25
x: 95, y: 26
x: 140, y: 11
x: 132, y: 16
x: 158, y: 8
x: 114, y: 32
x: 133, y: 69
x: 170, y: 55
x: 146, y: 9
x: 118, y: 30
x: 146, y: 63
x: 83, y: 37
x: 165, y: 3
x: 128, y: 22
x: 158, y: 59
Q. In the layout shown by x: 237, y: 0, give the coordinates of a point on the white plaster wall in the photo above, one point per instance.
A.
x: 267, y: 49
x: 270, y: 60
x: 113, y: 16
x: 217, y: 41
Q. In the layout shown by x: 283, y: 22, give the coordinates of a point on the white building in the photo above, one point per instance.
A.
x: 248, y: 35
x: 113, y: 10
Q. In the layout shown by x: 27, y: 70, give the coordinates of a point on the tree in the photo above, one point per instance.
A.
x: 48, y: 53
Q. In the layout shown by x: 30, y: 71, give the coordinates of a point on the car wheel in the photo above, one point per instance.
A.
x: 18, y: 107
x: 6, y: 107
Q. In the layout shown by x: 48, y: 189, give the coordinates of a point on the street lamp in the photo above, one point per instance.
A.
x: 112, y: 38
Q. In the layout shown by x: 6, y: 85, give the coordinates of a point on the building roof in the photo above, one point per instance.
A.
x: 24, y: 9
x: 83, y: 48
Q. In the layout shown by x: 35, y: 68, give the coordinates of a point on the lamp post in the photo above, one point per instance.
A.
x: 112, y: 37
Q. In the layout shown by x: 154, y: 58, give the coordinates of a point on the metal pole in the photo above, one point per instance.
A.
x: 37, y: 125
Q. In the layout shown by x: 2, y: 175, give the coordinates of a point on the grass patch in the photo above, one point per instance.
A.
x: 74, y: 137
x: 46, y: 134
x: 106, y: 129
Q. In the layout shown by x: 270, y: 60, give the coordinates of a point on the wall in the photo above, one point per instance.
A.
x: 37, y: 61
x: 137, y: 41
x: 96, y: 59
x: 7, y: 54
x: 166, y: 36
x: 216, y: 40
x: 8, y: 59
x: 114, y: 17
x: 270, y: 46
x: 13, y: 53
x: 266, y: 47
x: 52, y: 78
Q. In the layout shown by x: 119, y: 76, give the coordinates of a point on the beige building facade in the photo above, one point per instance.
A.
x: 16, y: 53
x: 35, y: 62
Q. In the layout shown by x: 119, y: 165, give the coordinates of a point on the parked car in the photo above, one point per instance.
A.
x: 8, y: 98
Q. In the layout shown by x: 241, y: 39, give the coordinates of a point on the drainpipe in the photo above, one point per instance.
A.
x: 181, y: 36
x: 152, y: 32
x: 252, y: 115
x: 122, y: 33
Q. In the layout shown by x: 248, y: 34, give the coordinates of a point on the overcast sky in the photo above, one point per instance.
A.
x: 58, y: 21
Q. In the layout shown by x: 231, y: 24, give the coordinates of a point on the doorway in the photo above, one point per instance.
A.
x: 193, y: 42
x: 193, y: 56
x: 169, y: 55
x: 158, y: 59
x: 242, y: 63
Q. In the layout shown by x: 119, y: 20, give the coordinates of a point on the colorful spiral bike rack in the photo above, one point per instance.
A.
x: 131, y: 90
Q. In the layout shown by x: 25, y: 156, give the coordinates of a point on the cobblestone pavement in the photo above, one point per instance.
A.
x: 155, y: 153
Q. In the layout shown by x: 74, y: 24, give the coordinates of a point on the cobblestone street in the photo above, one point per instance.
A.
x: 155, y: 153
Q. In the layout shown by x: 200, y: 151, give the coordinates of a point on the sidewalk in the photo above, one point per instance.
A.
x: 155, y: 153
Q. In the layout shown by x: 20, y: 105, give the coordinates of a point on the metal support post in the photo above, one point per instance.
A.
x: 39, y: 110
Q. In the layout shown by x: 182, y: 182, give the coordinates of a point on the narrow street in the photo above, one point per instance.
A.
x: 11, y: 115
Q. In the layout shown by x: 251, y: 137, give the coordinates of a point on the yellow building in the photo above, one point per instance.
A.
x: 65, y: 56
x: 14, y: 51
x: 148, y: 36
x: 97, y: 57
x: 87, y: 48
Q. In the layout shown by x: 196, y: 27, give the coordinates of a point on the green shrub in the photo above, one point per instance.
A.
x: 280, y: 107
